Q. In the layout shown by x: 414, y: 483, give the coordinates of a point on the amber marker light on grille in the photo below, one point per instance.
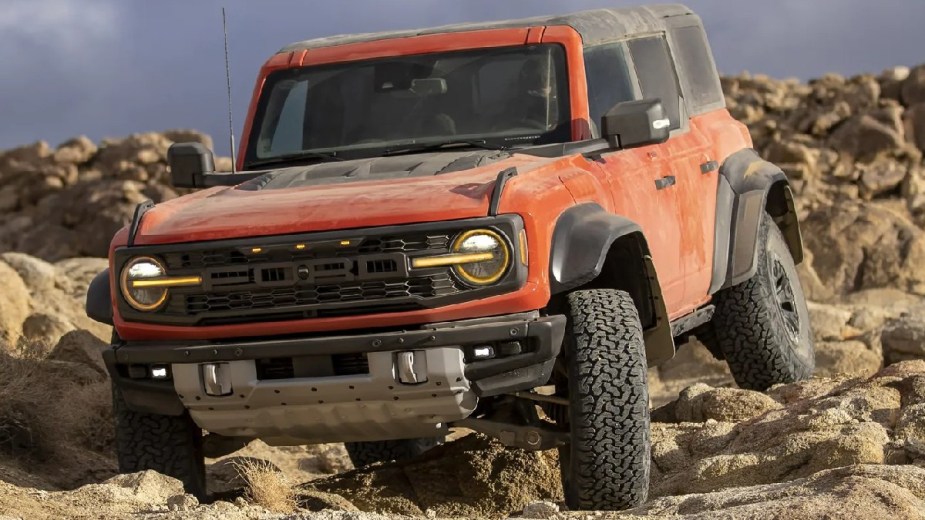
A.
x: 256, y: 250
x: 345, y: 242
x: 444, y: 260
x: 300, y: 246
x: 178, y: 281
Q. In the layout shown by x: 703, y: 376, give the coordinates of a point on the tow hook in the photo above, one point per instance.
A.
x: 216, y: 379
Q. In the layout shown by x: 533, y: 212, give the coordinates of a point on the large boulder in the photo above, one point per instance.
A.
x: 82, y: 347
x: 15, y: 305
x: 859, y: 247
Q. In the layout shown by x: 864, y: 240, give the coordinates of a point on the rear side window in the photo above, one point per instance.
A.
x: 657, y: 77
x: 609, y: 80
x: 696, y: 64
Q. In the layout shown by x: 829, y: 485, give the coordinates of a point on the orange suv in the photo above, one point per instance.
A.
x: 494, y: 226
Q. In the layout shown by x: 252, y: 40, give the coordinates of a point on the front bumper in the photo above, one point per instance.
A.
x: 356, y: 407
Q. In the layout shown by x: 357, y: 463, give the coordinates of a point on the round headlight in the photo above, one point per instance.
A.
x: 482, y: 241
x: 140, y: 297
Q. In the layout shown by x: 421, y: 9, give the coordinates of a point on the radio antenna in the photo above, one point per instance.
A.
x: 234, y: 156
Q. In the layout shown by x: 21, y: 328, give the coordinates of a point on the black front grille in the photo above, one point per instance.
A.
x: 315, y: 275
x: 226, y: 257
x: 286, y: 297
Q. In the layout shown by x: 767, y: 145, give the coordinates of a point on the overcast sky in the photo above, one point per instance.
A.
x: 113, y: 67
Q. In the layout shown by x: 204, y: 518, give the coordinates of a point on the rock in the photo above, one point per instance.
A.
x: 913, y: 189
x: 852, y: 358
x: 858, y: 247
x: 80, y: 346
x: 78, y: 150
x: 182, y: 502
x: 903, y: 338
x: 540, y: 510
x: 37, y: 274
x: 15, y: 303
x: 899, y: 73
x: 470, y: 477
x: 825, y: 424
x: 914, y: 124
x: 830, y: 322
x: 46, y: 329
x: 880, y: 177
x: 188, y: 136
x: 863, y: 491
x: 700, y: 403
x: 148, y: 487
x: 913, y: 89
x: 867, y: 135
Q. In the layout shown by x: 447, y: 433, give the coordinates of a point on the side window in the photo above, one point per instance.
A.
x: 657, y: 77
x: 609, y: 80
x: 696, y: 64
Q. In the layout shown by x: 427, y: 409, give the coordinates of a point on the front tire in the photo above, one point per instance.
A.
x: 606, y: 464
x: 163, y: 443
x: 366, y: 453
x: 762, y: 326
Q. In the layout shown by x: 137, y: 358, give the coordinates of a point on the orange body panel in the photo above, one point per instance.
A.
x: 677, y: 222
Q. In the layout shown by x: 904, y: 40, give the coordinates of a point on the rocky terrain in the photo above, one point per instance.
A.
x: 848, y: 444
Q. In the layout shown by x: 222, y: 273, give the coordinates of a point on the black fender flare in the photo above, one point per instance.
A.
x: 582, y: 241
x: 747, y: 187
x: 99, y: 301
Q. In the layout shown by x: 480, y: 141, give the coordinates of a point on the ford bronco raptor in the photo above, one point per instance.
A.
x: 491, y: 226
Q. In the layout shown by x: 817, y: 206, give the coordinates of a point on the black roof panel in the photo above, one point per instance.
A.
x: 596, y: 26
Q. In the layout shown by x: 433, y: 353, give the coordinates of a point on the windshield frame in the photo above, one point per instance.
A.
x: 565, y: 132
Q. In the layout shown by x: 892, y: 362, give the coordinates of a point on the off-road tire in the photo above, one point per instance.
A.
x: 762, y: 325
x: 606, y: 464
x: 366, y: 453
x: 166, y: 444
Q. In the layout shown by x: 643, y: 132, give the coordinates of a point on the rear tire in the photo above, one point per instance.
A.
x: 166, y: 444
x: 762, y: 325
x: 366, y: 453
x: 606, y: 464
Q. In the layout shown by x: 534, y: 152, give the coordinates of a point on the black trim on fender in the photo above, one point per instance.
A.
x: 99, y: 302
x: 584, y: 238
x: 580, y: 243
x: 751, y: 181
x: 496, y: 192
x: 140, y: 211
x: 722, y: 233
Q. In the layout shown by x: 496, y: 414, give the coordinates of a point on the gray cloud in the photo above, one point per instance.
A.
x: 110, y: 67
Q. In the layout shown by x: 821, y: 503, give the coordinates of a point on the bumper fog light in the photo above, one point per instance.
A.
x: 159, y: 372
x: 483, y: 352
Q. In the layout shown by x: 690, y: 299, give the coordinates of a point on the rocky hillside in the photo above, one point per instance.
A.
x: 848, y: 444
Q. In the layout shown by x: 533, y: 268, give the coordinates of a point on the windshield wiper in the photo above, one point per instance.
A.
x: 475, y: 143
x: 297, y: 157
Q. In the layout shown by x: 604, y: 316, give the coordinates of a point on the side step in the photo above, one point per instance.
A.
x: 692, y: 320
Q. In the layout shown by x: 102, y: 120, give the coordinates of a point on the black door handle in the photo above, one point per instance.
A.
x: 664, y: 182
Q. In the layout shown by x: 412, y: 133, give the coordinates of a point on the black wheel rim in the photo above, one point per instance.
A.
x: 784, y: 297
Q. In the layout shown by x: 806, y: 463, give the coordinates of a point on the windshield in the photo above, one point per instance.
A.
x: 501, y: 96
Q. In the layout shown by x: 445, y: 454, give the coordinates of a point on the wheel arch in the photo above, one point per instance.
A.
x: 748, y: 187
x: 594, y: 249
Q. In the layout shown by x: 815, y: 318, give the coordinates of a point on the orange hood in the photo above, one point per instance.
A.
x: 341, y: 195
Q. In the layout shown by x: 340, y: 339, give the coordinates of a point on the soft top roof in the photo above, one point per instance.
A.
x: 597, y: 26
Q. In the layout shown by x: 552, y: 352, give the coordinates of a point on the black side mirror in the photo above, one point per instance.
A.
x: 635, y: 123
x: 189, y: 164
